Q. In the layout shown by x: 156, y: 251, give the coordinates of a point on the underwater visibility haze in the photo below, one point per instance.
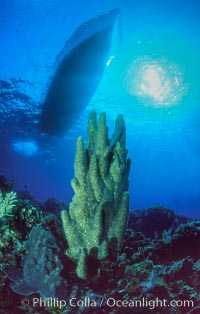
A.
x: 148, y: 70
x: 99, y: 156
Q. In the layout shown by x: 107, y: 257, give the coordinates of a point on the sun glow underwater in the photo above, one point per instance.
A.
x: 159, y: 83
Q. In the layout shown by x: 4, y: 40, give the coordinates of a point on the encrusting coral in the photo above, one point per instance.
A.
x: 98, y: 213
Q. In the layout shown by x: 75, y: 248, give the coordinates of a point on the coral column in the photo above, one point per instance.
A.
x: 98, y: 213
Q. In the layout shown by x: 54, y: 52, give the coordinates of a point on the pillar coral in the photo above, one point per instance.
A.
x: 98, y: 212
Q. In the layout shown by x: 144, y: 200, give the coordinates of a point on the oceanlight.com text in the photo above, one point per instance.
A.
x: 109, y: 302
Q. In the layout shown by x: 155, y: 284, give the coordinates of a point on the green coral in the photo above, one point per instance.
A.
x: 98, y: 213
x: 22, y: 210
x: 17, y: 217
x: 27, y: 213
x: 7, y: 203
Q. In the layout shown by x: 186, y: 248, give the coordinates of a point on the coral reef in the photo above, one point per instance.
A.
x: 98, y: 213
x: 34, y: 265
x: 42, y: 265
x: 28, y: 213
x: 7, y: 203
x: 153, y: 221
x: 16, y: 219
x: 156, y: 258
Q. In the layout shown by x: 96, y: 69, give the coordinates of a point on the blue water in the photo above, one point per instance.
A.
x: 160, y: 38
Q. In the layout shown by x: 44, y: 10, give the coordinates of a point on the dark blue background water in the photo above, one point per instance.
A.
x: 163, y: 140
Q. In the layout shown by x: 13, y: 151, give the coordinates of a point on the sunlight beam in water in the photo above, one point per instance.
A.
x: 155, y: 82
